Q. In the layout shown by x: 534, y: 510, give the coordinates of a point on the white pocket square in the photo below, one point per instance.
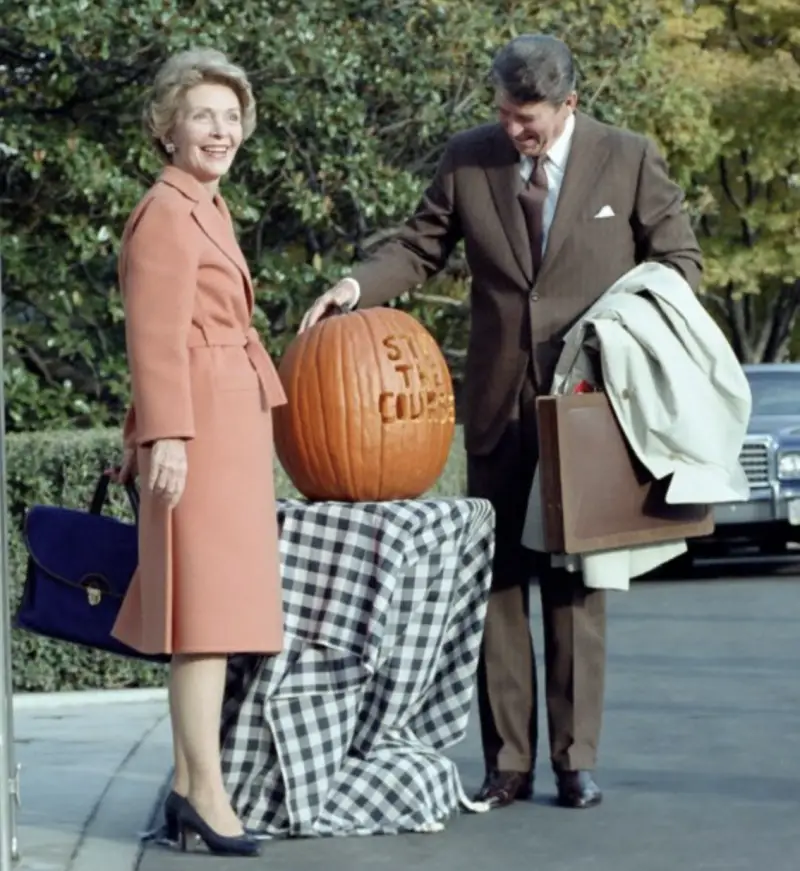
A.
x: 605, y: 212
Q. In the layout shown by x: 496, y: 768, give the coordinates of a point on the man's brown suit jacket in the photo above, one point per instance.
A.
x: 516, y: 317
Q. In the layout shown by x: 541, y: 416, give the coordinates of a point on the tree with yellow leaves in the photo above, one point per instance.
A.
x: 743, y: 61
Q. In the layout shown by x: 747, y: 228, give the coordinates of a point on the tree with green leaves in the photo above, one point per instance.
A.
x: 356, y: 100
x: 744, y: 59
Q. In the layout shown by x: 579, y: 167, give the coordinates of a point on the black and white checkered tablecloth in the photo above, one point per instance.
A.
x: 343, y: 733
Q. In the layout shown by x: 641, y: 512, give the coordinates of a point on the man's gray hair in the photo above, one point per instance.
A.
x: 535, y: 68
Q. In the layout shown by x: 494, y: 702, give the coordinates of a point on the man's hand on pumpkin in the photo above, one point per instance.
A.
x: 344, y: 294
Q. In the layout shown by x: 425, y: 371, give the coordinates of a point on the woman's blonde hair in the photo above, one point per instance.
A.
x: 184, y: 71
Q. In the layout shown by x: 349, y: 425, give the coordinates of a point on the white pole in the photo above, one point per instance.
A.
x: 9, y: 780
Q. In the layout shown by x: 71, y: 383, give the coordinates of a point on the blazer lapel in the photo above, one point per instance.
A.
x: 501, y: 164
x: 587, y: 157
x: 214, y: 220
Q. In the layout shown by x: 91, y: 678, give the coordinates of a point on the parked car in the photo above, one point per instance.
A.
x: 770, y: 457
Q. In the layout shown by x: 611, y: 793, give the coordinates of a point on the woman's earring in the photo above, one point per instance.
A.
x: 170, y: 148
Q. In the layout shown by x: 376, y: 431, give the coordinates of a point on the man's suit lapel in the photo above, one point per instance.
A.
x: 502, y: 166
x: 587, y: 157
x: 214, y: 220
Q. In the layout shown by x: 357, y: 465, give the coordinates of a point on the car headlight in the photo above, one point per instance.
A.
x: 789, y: 465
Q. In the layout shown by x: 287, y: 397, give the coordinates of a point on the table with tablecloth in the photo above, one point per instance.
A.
x: 344, y: 731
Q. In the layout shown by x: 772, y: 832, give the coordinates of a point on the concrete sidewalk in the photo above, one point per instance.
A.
x: 700, y: 759
x: 93, y: 766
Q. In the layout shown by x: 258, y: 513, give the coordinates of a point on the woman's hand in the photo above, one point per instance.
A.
x: 168, y: 470
x: 128, y: 470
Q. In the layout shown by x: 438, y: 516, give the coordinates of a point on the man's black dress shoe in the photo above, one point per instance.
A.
x: 577, y: 789
x: 502, y: 788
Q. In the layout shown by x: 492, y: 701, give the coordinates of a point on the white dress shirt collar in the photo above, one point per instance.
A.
x: 559, y: 150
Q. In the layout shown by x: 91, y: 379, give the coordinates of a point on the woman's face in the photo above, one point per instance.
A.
x: 207, y: 133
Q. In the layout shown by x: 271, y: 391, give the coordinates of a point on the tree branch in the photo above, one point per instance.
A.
x: 733, y: 20
x: 425, y: 161
x: 739, y: 337
x: 751, y: 186
x: 455, y: 353
x: 467, y: 101
x: 83, y: 96
x: 41, y: 366
x: 396, y: 126
x: 724, y: 180
x: 717, y: 300
x: 438, y: 299
x: 765, y: 335
x: 705, y: 226
x: 778, y: 327
x: 748, y: 236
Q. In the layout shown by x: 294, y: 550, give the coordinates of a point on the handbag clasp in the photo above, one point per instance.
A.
x: 95, y: 586
x: 93, y: 595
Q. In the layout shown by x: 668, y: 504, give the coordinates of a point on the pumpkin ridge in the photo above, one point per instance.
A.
x: 303, y: 412
x: 421, y: 444
x: 350, y: 342
x: 343, y: 460
x: 328, y: 454
x: 281, y: 432
x: 376, y: 350
x: 297, y: 430
x: 445, y: 433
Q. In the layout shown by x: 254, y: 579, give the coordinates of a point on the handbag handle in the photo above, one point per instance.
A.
x: 101, y: 495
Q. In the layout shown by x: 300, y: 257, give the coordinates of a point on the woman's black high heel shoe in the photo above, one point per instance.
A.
x: 172, y: 804
x: 190, y: 822
x: 171, y: 830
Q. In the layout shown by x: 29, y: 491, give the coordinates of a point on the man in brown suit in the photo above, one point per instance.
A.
x: 553, y: 208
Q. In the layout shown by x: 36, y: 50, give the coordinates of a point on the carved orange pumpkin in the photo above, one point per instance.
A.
x: 371, y: 413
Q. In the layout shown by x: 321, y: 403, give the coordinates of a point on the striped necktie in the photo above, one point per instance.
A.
x: 531, y: 198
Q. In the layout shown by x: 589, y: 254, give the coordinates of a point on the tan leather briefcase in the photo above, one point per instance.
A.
x: 596, y: 495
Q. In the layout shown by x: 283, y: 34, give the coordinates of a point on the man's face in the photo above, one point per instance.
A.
x: 533, y: 127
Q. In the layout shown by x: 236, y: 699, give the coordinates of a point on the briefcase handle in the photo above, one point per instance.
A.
x: 101, y: 495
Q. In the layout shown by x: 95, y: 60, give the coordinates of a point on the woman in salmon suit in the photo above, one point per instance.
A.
x: 199, y: 433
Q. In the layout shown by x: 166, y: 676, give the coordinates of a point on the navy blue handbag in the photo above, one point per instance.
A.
x: 80, y: 565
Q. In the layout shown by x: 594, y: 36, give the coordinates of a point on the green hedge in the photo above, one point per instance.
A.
x: 61, y: 468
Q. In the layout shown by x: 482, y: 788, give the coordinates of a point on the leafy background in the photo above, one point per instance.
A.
x: 356, y: 100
